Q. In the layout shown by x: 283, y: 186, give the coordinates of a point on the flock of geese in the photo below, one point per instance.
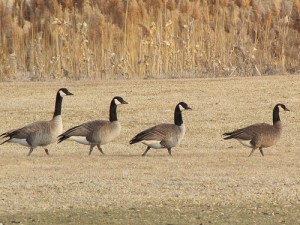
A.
x: 99, y: 132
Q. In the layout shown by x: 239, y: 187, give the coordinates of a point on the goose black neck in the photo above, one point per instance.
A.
x: 276, y: 117
x: 113, y: 111
x: 178, y: 116
x: 58, y: 103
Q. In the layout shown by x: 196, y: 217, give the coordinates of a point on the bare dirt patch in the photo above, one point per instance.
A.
x: 208, y: 180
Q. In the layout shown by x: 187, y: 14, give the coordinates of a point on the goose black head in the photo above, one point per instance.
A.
x: 63, y: 92
x: 283, y: 107
x: 119, y: 100
x: 183, y: 106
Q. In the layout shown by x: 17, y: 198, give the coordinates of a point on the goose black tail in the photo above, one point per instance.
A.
x: 62, y: 137
x: 5, y: 135
x: 233, y: 134
x: 66, y: 134
x: 229, y: 135
x: 134, y: 140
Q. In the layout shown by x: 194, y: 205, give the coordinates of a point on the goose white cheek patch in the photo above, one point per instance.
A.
x: 117, y: 102
x: 181, y: 108
x: 62, y: 94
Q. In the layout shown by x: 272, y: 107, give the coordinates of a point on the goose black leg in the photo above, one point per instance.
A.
x: 30, y: 151
x: 253, y: 149
x: 47, y: 152
x: 261, y: 151
x: 169, y: 151
x: 100, y: 149
x: 91, y: 149
x: 146, y: 151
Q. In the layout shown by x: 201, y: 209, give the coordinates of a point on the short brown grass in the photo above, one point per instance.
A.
x: 207, y: 179
x: 115, y: 39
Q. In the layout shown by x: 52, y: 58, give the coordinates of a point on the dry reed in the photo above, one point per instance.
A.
x: 115, y: 39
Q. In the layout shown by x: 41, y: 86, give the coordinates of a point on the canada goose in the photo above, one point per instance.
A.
x: 164, y: 135
x: 40, y: 133
x: 96, y: 132
x: 259, y: 135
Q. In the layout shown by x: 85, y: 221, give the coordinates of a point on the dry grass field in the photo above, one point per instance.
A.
x: 206, y: 181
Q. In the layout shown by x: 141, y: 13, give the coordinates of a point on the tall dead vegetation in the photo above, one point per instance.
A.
x: 114, y: 39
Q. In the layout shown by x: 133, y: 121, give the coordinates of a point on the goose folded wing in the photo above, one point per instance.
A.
x: 84, y: 129
x: 250, y: 132
x: 159, y: 133
x: 29, y: 130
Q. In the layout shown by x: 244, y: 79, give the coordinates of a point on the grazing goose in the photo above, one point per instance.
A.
x: 40, y: 133
x: 96, y: 132
x: 259, y: 135
x: 164, y: 135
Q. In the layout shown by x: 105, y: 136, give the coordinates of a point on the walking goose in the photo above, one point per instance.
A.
x: 164, y: 135
x: 96, y: 132
x: 40, y: 133
x: 259, y: 135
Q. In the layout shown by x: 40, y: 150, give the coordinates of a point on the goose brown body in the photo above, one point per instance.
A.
x: 260, y: 135
x: 164, y: 135
x: 96, y: 132
x: 168, y: 136
x: 40, y: 133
